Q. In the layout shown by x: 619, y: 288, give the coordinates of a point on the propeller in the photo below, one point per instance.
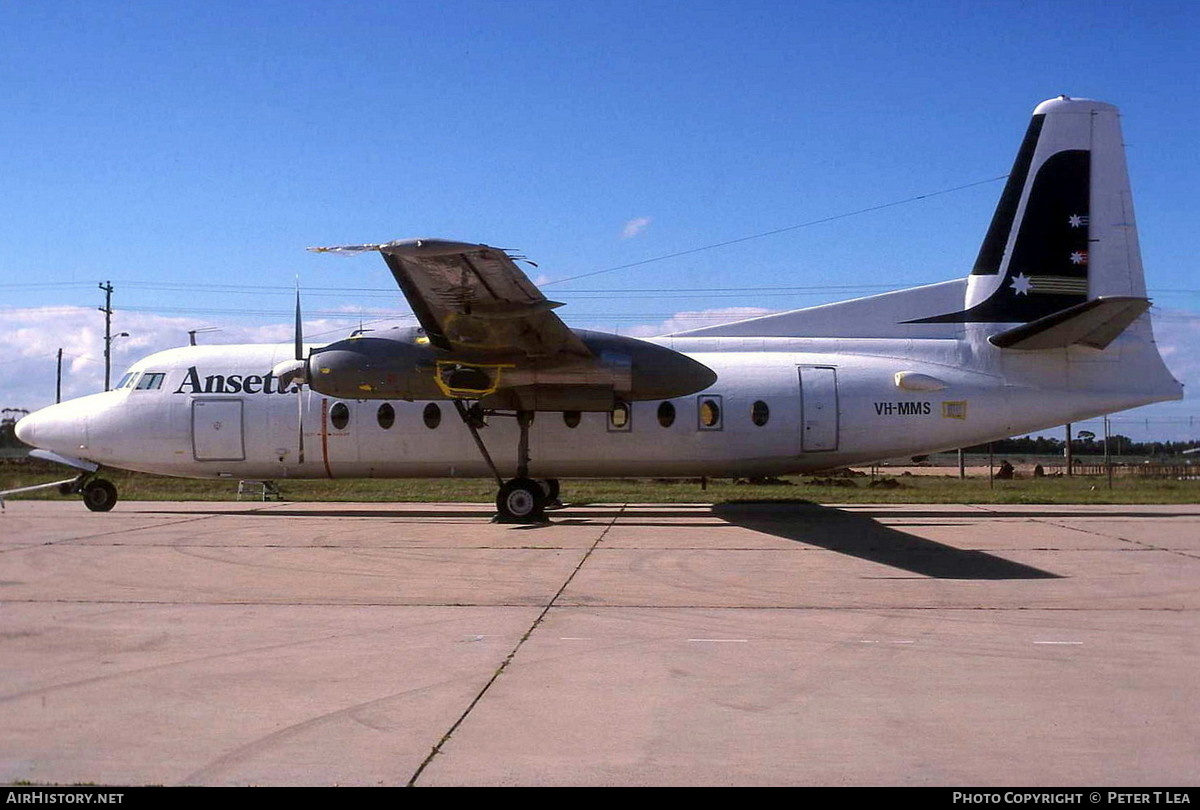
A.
x: 295, y: 371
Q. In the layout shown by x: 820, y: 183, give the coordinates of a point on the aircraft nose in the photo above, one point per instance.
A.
x: 26, y: 430
x: 60, y: 428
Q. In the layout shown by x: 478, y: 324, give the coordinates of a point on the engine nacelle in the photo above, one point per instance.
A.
x: 401, y: 364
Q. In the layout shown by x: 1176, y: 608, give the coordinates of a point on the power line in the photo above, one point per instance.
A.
x: 777, y: 231
x: 726, y: 243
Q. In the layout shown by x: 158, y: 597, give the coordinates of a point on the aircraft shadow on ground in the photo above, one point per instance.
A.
x: 853, y: 532
x: 861, y: 535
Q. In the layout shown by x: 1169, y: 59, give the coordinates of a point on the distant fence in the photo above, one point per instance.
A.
x: 1148, y: 470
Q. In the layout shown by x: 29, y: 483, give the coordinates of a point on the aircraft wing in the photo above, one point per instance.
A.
x: 473, y: 298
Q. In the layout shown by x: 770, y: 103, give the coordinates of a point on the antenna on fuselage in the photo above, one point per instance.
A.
x: 193, y: 332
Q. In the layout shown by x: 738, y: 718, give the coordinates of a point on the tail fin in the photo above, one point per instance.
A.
x: 1063, y: 233
x: 1059, y: 265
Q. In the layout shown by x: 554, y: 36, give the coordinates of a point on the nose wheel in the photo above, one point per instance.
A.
x: 99, y: 495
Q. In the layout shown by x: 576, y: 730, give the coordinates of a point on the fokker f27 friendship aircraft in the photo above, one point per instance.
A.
x: 1051, y: 326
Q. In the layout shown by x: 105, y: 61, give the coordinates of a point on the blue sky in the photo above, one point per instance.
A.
x: 172, y: 147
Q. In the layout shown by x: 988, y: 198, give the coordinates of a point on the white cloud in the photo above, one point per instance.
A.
x: 30, y: 340
x: 634, y: 227
x: 683, y: 321
x: 1177, y: 333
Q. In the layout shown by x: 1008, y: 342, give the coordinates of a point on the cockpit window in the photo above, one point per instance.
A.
x: 127, y: 379
x: 151, y: 381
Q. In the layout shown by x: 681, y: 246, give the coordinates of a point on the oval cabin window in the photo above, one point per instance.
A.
x: 432, y: 415
x: 339, y: 416
x: 666, y: 414
x: 618, y: 417
x: 386, y: 416
x: 760, y: 413
x: 710, y: 414
x: 571, y: 418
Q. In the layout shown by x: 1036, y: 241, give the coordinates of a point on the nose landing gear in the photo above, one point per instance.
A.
x: 99, y: 495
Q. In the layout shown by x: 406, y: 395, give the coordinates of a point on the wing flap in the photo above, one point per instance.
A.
x: 474, y: 298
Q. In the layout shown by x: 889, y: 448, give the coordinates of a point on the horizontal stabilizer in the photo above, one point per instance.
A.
x: 1094, y: 323
x: 888, y: 315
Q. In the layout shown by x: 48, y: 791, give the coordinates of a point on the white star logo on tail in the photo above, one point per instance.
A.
x: 1077, y: 220
x: 1021, y: 284
x: 1079, y: 257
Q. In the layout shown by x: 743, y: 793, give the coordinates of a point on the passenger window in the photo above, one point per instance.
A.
x: 386, y: 415
x: 339, y: 416
x: 432, y: 415
x: 619, y: 417
x: 759, y: 413
x: 571, y: 418
x: 666, y: 414
x: 709, y: 412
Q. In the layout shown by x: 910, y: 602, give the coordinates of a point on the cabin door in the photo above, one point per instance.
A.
x: 217, y: 430
x: 818, y: 409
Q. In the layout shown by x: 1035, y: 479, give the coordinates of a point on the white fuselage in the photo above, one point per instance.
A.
x: 782, y: 405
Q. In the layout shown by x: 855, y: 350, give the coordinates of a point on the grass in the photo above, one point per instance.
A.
x: 822, y: 489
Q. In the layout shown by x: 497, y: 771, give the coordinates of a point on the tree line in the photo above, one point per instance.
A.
x: 8, y: 423
x: 1085, y: 443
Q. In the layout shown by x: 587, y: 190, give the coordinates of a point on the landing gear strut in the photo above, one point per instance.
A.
x: 521, y: 499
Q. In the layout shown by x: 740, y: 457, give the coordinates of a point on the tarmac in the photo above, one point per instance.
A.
x: 753, y: 644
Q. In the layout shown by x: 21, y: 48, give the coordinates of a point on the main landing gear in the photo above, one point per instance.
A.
x: 521, y: 499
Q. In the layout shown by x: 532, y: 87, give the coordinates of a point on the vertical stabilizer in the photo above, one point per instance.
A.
x: 1063, y: 232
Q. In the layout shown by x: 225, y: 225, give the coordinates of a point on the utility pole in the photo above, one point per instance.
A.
x: 58, y: 384
x: 107, y: 310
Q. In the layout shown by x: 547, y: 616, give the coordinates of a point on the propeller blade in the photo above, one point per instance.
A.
x: 296, y: 370
x: 299, y: 327
x: 300, y: 423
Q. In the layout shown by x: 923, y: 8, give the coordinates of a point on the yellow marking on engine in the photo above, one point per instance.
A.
x: 474, y: 393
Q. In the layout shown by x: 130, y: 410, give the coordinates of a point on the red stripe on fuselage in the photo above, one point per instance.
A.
x: 325, y: 435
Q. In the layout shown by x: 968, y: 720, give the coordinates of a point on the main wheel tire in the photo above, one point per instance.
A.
x: 99, y: 495
x: 549, y: 489
x: 521, y: 499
